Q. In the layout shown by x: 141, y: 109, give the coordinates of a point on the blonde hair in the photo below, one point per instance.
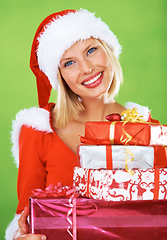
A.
x: 117, y: 76
x: 69, y: 104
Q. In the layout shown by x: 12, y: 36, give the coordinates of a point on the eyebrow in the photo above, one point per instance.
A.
x: 65, y: 59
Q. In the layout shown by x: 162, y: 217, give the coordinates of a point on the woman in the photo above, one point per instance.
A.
x: 77, y: 54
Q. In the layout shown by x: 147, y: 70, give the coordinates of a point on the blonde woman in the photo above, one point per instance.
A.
x: 77, y: 54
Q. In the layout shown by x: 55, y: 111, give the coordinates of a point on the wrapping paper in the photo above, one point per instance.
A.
x: 119, y: 185
x: 99, y: 220
x: 120, y: 157
x: 143, y: 134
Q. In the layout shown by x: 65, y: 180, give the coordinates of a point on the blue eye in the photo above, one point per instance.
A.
x: 91, y: 50
x: 69, y: 63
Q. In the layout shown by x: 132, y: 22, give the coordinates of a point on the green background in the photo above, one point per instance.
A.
x: 141, y: 29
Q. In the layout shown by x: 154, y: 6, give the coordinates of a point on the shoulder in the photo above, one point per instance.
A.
x: 37, y: 118
x: 118, y: 108
x: 142, y: 110
x: 34, y: 119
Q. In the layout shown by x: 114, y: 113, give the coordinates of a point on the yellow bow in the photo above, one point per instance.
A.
x: 131, y: 116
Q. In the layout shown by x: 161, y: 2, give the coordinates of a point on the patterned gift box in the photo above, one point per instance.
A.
x: 131, y: 133
x: 120, y: 157
x: 119, y: 185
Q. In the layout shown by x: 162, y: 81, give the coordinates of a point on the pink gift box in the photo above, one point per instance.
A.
x: 99, y: 220
x: 120, y: 185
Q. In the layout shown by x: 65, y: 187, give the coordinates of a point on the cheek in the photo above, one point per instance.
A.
x: 68, y: 76
x: 107, y: 64
x: 103, y: 59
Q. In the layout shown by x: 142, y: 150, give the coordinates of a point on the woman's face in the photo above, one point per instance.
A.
x: 87, y: 69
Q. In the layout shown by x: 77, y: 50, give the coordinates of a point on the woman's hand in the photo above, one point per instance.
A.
x: 23, y: 232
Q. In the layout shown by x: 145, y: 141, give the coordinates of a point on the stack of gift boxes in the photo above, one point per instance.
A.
x: 120, y: 162
x: 123, y: 160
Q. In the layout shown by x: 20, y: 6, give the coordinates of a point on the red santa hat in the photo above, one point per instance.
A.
x: 57, y: 33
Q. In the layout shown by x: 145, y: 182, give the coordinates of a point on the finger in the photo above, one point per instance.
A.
x: 23, y: 224
x: 32, y: 237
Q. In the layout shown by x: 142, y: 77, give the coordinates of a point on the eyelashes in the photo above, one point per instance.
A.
x: 91, y: 50
x: 71, y: 62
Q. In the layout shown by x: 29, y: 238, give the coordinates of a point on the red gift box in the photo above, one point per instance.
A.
x: 99, y: 220
x: 131, y: 133
x: 120, y: 185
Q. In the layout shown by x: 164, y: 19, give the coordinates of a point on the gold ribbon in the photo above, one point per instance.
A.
x: 127, y: 139
x: 128, y: 116
x: 131, y: 116
x: 129, y: 153
x: 112, y: 131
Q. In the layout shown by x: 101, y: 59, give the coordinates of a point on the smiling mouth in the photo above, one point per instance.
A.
x: 86, y: 83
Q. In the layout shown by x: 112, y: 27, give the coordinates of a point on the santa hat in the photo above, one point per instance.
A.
x: 57, y: 33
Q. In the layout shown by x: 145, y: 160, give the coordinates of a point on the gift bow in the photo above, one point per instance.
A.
x: 129, y: 115
x: 71, y: 192
x: 57, y: 191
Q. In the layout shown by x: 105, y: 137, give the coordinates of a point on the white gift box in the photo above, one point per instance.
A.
x: 115, y: 157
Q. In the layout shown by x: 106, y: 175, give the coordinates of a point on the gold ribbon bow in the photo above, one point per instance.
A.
x: 131, y: 116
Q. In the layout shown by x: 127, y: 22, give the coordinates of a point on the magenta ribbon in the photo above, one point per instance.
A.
x: 57, y: 191
x: 54, y: 191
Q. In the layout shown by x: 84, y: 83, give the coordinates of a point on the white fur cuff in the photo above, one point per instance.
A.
x: 12, y: 228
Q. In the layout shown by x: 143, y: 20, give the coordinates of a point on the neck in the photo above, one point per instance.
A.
x: 94, y: 109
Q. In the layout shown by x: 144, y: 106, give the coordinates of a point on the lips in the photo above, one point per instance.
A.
x: 94, y: 80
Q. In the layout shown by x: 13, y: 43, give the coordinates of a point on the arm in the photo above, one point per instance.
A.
x: 31, y: 174
x: 32, y: 171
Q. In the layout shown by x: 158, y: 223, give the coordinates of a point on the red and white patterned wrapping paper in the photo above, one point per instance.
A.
x: 119, y: 185
x: 121, y: 133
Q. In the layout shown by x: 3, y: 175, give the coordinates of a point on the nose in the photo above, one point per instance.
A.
x: 86, y: 66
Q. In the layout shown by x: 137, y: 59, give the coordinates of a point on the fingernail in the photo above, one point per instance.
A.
x: 43, y: 237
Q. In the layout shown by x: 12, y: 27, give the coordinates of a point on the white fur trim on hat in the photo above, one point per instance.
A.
x: 142, y: 110
x: 63, y: 32
x: 37, y: 118
x: 12, y: 228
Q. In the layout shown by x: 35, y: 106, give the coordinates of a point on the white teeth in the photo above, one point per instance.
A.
x: 93, y: 79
